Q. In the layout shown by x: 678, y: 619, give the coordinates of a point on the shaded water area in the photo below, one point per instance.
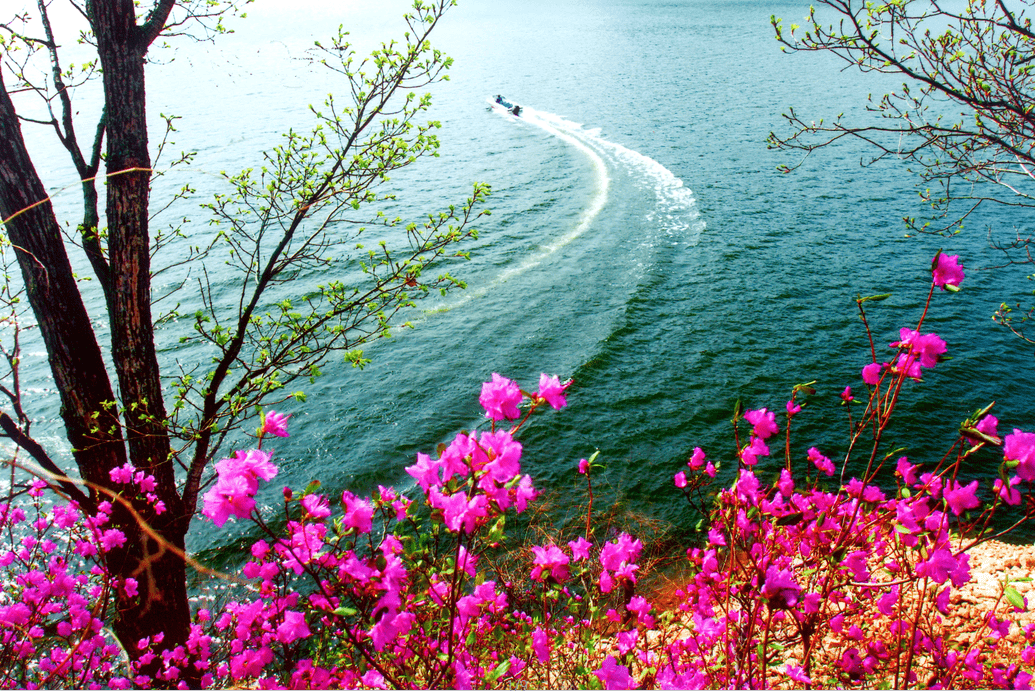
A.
x: 641, y: 242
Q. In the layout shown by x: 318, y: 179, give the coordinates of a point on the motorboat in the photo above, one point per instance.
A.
x: 500, y: 103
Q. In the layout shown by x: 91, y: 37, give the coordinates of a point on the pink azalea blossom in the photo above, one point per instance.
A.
x: 316, y: 505
x: 960, y: 498
x: 552, y: 390
x: 641, y: 608
x: 524, y: 493
x: 822, y: 463
x: 1020, y: 447
x: 1008, y: 492
x: 947, y: 271
x: 274, y: 423
x: 615, y: 676
x: 500, y: 398
x: 927, y: 347
x: 358, y: 512
x: 549, y: 558
x: 541, y: 645
x: 292, y: 628
x: 750, y: 453
x: 499, y: 454
x: 251, y: 466
x: 987, y: 425
x: 111, y: 539
x: 697, y: 458
x: 680, y: 479
x: 938, y: 566
x: 580, y: 548
x: 583, y: 466
x: 871, y: 373
x: 906, y: 470
x: 797, y: 674
x: 230, y: 496
x: 763, y: 422
x: 425, y: 471
x: 846, y: 395
x: 123, y: 474
x: 792, y: 409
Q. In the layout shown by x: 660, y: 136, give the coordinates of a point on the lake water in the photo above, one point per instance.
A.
x: 641, y: 242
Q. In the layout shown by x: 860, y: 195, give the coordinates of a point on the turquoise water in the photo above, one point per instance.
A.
x: 641, y: 242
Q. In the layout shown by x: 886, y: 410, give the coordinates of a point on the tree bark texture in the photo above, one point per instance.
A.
x: 88, y: 406
x: 152, y: 553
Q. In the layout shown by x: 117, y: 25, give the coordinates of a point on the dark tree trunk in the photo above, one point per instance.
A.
x: 75, y: 358
x: 162, y: 606
x: 152, y: 554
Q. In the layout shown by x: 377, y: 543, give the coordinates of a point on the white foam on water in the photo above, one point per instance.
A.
x: 601, y: 185
x: 676, y: 209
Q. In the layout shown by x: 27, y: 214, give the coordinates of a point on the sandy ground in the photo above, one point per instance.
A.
x: 992, y: 563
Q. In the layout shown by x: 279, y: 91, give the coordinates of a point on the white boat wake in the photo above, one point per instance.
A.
x: 674, y: 211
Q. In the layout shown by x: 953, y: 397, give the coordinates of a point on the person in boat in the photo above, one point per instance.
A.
x: 516, y: 110
x: 499, y: 98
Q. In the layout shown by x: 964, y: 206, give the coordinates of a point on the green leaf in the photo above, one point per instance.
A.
x: 1014, y: 597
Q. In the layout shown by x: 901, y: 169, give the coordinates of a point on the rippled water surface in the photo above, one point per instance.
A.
x: 641, y: 241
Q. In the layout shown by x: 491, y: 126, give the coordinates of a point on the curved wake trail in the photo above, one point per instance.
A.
x: 674, y: 211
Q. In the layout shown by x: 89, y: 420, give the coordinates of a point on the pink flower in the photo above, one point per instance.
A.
x: 122, y: 475
x: 425, y: 471
x: 906, y: 470
x: 680, y: 479
x: 580, y: 548
x: 551, y: 390
x: 780, y: 588
x: 1008, y: 492
x: 871, y: 373
x: 499, y: 454
x: 763, y: 422
x: 358, y: 512
x: 231, y: 496
x: 111, y: 539
x: 583, y: 466
x: 292, y: 628
x: 1020, y: 447
x: 947, y: 271
x: 459, y: 513
x: 641, y: 608
x: 316, y: 506
x: 541, y: 645
x: 251, y: 466
x: 750, y: 453
x: 500, y: 398
x: 846, y: 395
x: 625, y: 550
x: 792, y: 409
x: 987, y: 425
x: 938, y: 566
x: 614, y: 676
x: 797, y: 674
x: 524, y: 493
x: 927, y: 347
x: 697, y: 458
x: 274, y: 423
x: 552, y: 558
x: 821, y: 462
x: 961, y: 498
